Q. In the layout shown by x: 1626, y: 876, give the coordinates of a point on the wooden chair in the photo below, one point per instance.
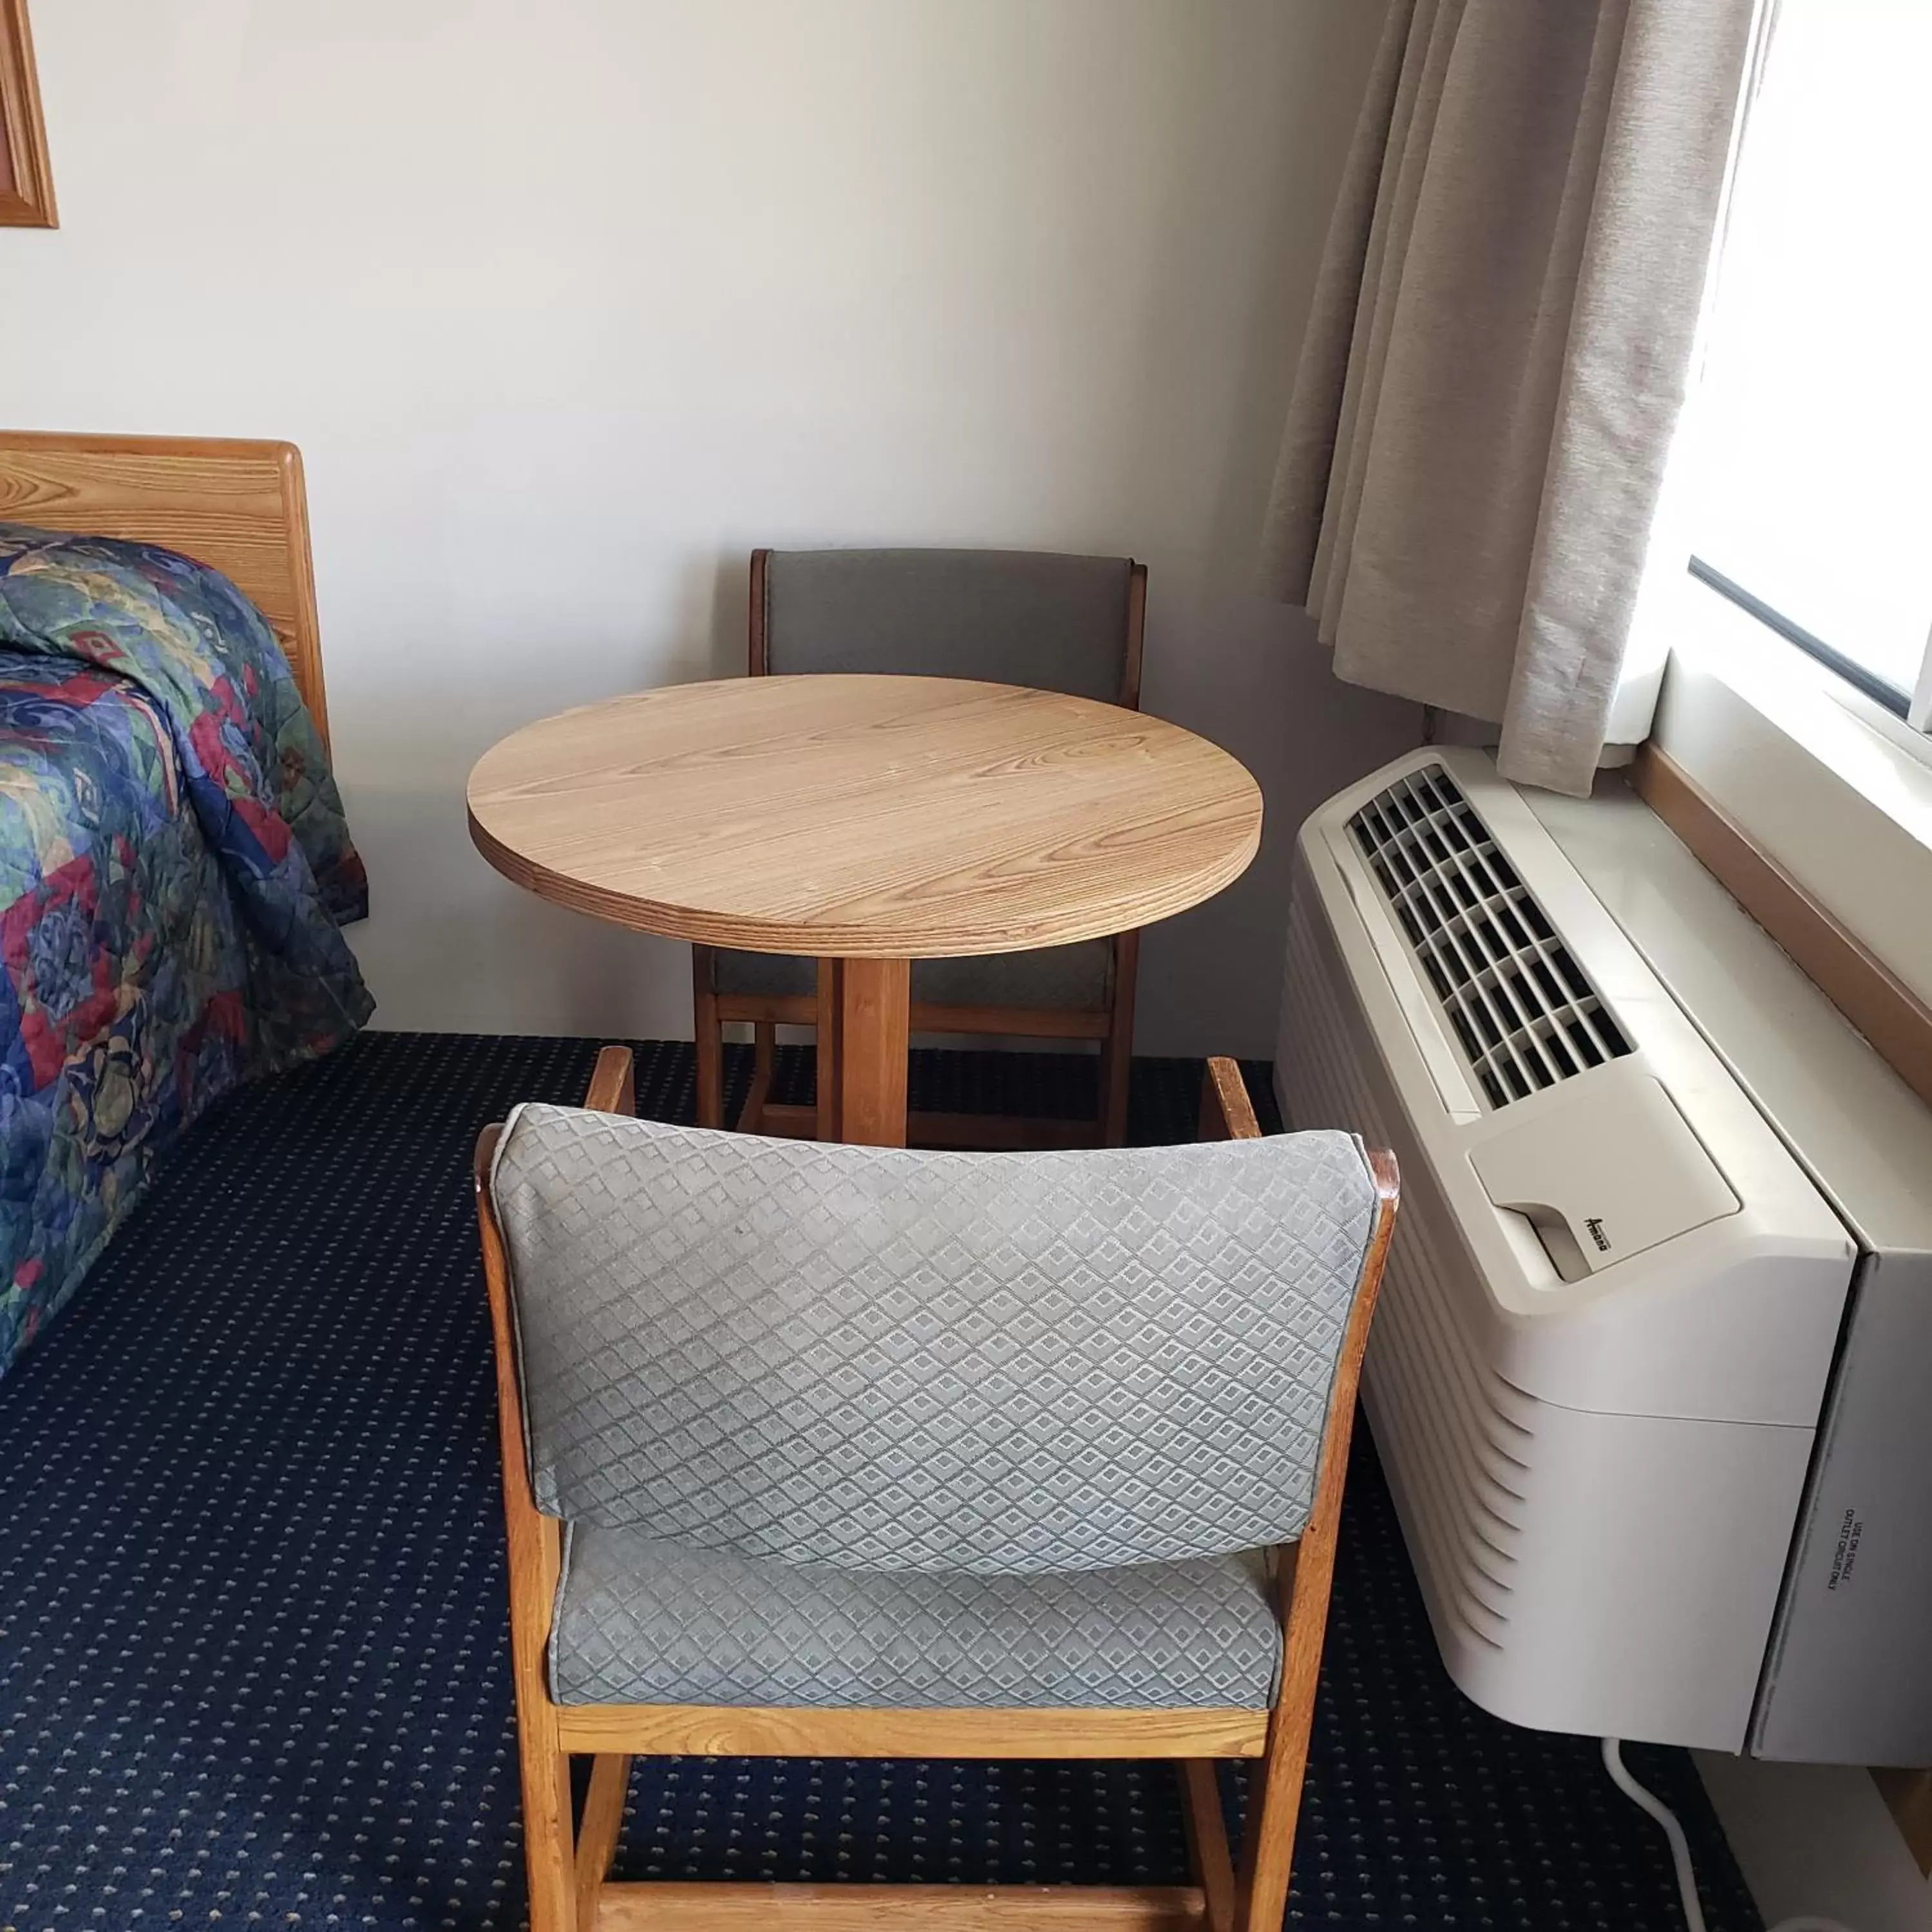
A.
x: 588, y: 1286
x: 1056, y: 623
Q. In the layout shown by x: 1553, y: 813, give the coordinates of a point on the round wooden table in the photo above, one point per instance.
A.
x: 867, y: 822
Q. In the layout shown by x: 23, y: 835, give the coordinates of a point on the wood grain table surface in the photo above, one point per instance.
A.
x: 866, y: 821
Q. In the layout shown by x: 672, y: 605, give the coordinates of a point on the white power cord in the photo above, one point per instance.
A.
x: 1680, y: 1849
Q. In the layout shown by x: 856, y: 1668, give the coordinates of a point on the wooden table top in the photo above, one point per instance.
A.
x: 865, y: 817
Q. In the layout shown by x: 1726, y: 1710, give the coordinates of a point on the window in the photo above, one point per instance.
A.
x: 1809, y: 501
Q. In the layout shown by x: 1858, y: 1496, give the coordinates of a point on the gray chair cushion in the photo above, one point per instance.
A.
x: 882, y: 1359
x: 1057, y: 977
x: 646, y: 1622
x: 1029, y: 617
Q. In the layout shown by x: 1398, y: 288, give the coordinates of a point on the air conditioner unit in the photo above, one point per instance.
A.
x: 1648, y: 1378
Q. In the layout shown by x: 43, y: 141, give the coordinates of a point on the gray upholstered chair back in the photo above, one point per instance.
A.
x: 875, y: 1359
x: 1059, y: 623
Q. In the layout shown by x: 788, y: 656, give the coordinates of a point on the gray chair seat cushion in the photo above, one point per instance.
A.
x: 1055, y: 976
x: 641, y: 1621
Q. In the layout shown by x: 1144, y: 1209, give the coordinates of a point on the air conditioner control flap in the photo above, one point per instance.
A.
x: 1607, y: 1168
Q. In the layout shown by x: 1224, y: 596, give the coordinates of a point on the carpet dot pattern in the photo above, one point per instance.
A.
x: 253, y: 1658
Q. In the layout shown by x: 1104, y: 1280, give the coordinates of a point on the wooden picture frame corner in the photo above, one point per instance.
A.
x: 26, y: 174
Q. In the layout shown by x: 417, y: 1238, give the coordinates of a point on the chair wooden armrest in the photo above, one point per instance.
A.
x: 1227, y: 1114
x: 613, y: 1082
x: 613, y: 1090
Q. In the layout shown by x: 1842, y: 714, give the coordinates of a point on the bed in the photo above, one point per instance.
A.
x: 174, y: 866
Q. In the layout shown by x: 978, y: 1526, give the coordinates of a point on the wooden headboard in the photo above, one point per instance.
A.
x: 237, y: 505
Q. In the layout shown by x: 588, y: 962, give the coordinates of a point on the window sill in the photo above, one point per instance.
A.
x: 1835, y: 789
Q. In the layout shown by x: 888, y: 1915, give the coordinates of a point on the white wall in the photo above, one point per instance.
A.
x: 570, y: 305
x: 1815, y: 1841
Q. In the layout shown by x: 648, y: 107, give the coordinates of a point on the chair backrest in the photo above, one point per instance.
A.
x: 1055, y: 623
x: 873, y: 1358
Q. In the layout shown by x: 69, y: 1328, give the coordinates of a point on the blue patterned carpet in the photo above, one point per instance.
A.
x: 252, y: 1648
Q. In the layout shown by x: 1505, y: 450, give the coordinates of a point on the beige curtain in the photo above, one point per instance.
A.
x: 1499, y: 353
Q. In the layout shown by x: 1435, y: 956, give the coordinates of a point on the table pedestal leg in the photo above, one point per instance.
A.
x: 864, y: 1032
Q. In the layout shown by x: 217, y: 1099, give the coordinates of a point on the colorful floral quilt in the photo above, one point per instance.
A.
x: 175, y: 868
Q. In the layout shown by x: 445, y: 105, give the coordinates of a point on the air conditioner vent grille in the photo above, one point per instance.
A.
x: 1521, y: 1009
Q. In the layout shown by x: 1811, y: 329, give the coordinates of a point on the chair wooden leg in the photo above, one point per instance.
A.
x: 549, y: 1854
x: 764, y: 1067
x: 829, y: 1121
x: 708, y: 1030
x: 1268, y: 1838
x: 1117, y: 1050
x: 1207, y: 1841
x: 1274, y: 1805
x: 597, y: 1834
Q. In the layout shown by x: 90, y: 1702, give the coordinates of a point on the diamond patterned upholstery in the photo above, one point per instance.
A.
x: 882, y: 1360
x: 640, y: 1622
